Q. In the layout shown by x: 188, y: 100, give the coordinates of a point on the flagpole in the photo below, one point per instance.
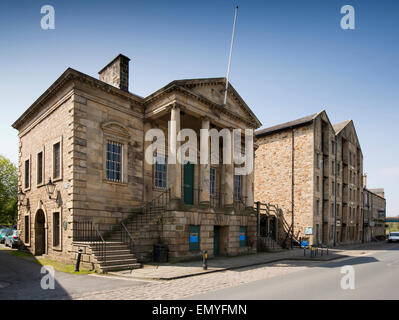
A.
x: 231, y: 50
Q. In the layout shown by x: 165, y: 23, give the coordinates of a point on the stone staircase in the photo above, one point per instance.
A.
x: 126, y: 243
x: 116, y: 256
x: 145, y: 230
x: 267, y: 244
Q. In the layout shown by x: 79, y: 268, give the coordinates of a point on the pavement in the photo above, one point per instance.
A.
x: 173, y: 271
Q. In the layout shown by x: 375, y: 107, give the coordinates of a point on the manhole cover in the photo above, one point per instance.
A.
x: 4, y: 284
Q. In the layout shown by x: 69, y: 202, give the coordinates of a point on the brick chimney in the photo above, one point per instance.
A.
x: 116, y: 73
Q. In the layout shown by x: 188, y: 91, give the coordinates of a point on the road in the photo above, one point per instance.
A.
x: 376, y: 277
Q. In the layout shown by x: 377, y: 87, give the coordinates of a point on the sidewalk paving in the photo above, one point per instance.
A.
x: 171, y: 271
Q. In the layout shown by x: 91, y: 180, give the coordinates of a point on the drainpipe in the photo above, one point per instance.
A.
x: 292, y: 186
x: 322, y: 186
x: 335, y: 191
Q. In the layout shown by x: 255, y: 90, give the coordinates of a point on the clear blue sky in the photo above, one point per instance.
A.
x: 290, y: 59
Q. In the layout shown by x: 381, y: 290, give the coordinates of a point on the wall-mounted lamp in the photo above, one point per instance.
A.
x: 21, y: 197
x: 50, y: 188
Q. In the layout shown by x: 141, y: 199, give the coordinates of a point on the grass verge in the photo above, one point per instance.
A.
x: 59, y: 266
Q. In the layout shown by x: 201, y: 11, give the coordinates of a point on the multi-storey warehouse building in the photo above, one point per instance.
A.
x: 313, y: 171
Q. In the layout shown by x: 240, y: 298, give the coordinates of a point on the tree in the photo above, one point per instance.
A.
x: 8, y: 191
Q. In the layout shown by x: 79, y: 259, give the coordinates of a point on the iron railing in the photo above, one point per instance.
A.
x: 87, y: 231
x: 217, y: 199
x: 240, y: 203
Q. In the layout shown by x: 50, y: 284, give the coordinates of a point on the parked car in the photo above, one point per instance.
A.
x: 12, y: 239
x: 393, y: 236
x: 3, y: 234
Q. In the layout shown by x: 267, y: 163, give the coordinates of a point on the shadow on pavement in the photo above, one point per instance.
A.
x: 22, y: 278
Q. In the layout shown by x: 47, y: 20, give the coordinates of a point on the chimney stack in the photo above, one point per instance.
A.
x: 116, y: 73
x: 364, y: 180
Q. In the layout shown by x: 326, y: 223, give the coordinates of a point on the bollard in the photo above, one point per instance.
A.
x: 78, y: 261
x: 304, y: 251
x: 322, y: 250
x: 205, y: 260
x: 327, y: 250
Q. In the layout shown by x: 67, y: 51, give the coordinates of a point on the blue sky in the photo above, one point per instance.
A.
x: 291, y: 59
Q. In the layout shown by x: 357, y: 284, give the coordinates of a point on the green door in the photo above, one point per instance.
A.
x: 188, y: 190
x: 216, y: 240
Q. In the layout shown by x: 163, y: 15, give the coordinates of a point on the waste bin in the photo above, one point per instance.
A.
x: 161, y: 253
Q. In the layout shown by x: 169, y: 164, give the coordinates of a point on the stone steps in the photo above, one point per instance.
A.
x: 121, y: 267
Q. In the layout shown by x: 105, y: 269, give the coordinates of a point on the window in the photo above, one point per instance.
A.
x: 333, y: 167
x: 332, y: 187
x: 318, y: 161
x: 243, y: 236
x: 317, y: 183
x: 27, y: 174
x: 56, y: 229
x: 317, y: 206
x: 40, y: 168
x: 194, y: 232
x: 212, y: 185
x: 114, y: 161
x: 26, y: 234
x: 161, y: 172
x: 57, y: 160
x: 237, y: 187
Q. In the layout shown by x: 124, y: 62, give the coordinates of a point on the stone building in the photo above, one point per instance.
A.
x: 82, y: 171
x: 374, y: 211
x: 313, y: 171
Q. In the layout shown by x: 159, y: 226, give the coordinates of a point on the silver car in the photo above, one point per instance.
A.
x: 393, y: 237
x: 12, y: 239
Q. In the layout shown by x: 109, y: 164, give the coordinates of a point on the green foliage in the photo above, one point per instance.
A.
x: 8, y: 191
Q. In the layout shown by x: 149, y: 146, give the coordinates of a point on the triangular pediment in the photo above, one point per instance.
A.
x: 214, y: 91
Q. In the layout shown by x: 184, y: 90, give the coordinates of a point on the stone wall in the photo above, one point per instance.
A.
x: 175, y: 233
x: 273, y: 175
x: 98, y: 118
x: 50, y: 125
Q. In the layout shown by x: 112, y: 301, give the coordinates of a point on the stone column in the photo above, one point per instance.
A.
x: 204, y: 176
x: 250, y: 188
x: 174, y: 165
x: 147, y: 174
x: 228, y: 183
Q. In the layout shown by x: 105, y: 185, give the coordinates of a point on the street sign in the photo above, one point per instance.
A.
x: 309, y: 230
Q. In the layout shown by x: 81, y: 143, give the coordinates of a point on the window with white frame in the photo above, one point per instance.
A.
x: 212, y: 185
x: 237, y: 187
x: 114, y: 161
x: 161, y: 172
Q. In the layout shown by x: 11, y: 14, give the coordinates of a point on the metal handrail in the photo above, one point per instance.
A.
x: 127, y: 231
